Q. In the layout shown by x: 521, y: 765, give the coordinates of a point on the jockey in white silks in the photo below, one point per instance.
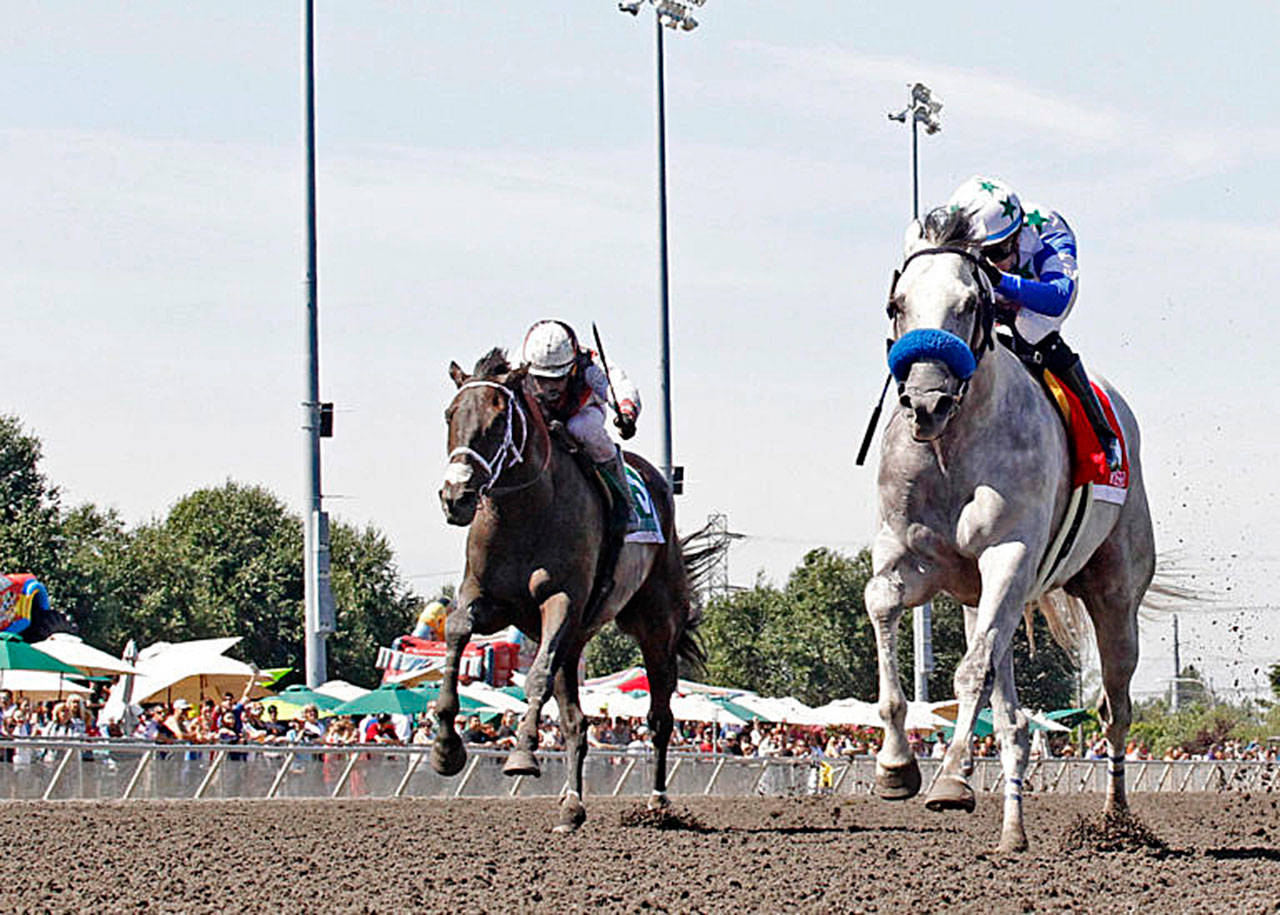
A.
x: 571, y: 386
x: 1034, y: 252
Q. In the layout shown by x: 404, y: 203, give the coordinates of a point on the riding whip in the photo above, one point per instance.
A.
x: 605, y: 363
x: 875, y: 421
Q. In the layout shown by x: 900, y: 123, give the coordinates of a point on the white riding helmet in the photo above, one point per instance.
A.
x: 993, y: 204
x: 550, y: 349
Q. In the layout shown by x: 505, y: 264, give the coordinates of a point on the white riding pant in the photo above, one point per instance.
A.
x: 587, y: 428
x: 1034, y: 326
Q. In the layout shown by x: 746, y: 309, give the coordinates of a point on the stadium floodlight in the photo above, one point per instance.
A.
x: 671, y: 14
x: 923, y: 109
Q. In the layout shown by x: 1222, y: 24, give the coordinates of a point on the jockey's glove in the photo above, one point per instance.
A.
x: 994, y: 275
x: 626, y: 425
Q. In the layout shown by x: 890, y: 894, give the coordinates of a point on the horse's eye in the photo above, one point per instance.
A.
x: 892, y: 310
x: 448, y: 415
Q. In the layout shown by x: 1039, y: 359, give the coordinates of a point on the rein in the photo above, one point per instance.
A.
x: 509, y: 453
x: 941, y: 344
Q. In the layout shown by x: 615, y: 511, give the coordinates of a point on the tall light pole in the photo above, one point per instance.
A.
x: 921, y: 108
x: 672, y: 14
x: 318, y: 621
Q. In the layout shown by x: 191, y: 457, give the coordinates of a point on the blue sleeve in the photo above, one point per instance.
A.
x: 1049, y: 296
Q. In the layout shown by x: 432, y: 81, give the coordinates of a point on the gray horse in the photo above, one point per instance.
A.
x: 536, y: 529
x: 974, y: 484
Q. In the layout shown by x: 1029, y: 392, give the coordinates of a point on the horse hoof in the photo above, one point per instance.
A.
x: 950, y: 792
x: 521, y: 762
x: 897, y: 783
x: 658, y: 802
x: 448, y: 756
x: 572, y: 815
x: 1012, y: 843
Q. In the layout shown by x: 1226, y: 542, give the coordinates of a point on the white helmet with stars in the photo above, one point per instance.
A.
x: 549, y: 349
x: 993, y: 205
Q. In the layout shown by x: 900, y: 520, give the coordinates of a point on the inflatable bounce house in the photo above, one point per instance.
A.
x: 21, y: 597
x: 491, y: 659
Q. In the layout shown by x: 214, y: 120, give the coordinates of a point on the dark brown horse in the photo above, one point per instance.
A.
x: 537, y: 525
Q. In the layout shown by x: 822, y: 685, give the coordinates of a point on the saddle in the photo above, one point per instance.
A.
x: 1091, y: 482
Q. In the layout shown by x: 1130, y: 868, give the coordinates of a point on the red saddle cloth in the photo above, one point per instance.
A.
x: 1089, y: 464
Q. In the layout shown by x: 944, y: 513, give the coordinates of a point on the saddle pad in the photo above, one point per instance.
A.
x: 1088, y: 463
x: 648, y: 527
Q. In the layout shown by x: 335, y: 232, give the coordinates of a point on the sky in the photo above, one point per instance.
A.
x: 481, y: 166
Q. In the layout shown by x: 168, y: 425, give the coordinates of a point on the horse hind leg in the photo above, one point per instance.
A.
x: 1112, y: 586
x: 650, y: 619
x: 573, y: 723
x: 1115, y: 622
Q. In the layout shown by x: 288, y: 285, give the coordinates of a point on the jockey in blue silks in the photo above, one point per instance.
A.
x: 1034, y: 251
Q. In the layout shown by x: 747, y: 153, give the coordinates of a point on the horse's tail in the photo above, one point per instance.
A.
x: 1069, y: 622
x: 699, y: 553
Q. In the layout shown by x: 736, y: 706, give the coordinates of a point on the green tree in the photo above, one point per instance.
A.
x: 30, y: 511
x: 813, y: 639
x: 227, y: 560
x: 1273, y: 673
x: 374, y: 603
x: 611, y: 650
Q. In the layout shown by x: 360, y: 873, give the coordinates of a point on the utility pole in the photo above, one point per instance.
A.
x: 319, y: 610
x: 921, y: 108
x: 1174, y: 704
x: 671, y: 14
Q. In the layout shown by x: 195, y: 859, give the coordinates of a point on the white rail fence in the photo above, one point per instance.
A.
x: 33, y: 769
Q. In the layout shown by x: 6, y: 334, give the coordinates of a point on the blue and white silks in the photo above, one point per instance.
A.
x: 1044, y: 283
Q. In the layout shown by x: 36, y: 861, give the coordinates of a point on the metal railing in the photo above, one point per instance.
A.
x: 119, y: 770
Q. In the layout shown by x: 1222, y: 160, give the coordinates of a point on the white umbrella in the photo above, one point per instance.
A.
x: 784, y: 708
x: 698, y: 707
x: 849, y: 712
x: 493, y: 698
x: 189, y: 670
x: 341, y: 689
x: 39, y: 684
x: 71, y: 649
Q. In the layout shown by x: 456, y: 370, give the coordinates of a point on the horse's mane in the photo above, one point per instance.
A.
x: 945, y: 226
x: 491, y: 364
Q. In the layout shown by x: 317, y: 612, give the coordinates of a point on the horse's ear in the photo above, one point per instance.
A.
x: 913, y: 237
x: 515, y: 377
x: 457, y: 374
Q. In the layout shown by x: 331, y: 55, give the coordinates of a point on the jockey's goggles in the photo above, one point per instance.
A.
x: 1002, y: 249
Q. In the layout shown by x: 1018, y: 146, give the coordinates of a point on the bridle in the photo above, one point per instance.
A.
x: 509, y: 453
x: 917, y: 341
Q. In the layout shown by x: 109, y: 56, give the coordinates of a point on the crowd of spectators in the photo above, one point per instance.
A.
x: 242, y: 721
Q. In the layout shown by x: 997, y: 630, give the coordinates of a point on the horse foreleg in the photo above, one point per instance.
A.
x: 1011, y: 729
x: 897, y: 772
x: 448, y: 755
x: 1007, y: 573
x: 538, y: 685
x: 573, y: 725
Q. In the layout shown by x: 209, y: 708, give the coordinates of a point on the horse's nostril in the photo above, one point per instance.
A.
x: 905, y: 400
x: 944, y: 404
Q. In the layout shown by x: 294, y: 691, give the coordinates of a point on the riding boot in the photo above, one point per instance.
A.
x: 1066, y: 365
x: 615, y: 477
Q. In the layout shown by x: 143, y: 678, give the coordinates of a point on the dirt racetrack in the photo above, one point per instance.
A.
x: 1221, y: 854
